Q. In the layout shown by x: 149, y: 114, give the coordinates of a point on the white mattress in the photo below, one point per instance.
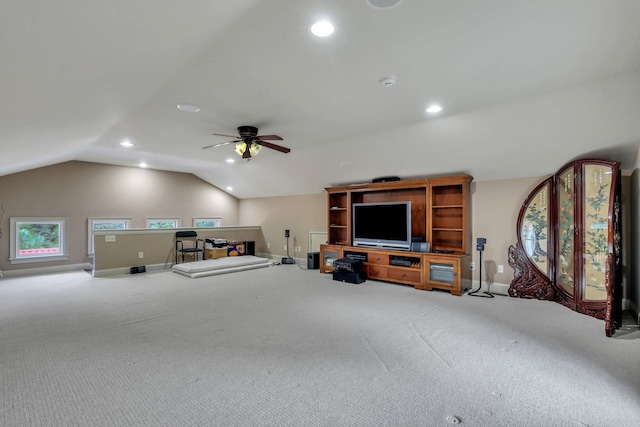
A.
x: 211, y: 267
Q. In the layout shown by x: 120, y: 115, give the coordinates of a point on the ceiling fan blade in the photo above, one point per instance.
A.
x: 228, y: 136
x: 220, y: 144
x: 246, y: 154
x: 273, y: 146
x: 270, y: 137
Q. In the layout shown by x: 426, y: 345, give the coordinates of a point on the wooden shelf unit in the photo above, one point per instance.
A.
x: 339, y: 214
x: 450, y: 222
x: 439, y: 215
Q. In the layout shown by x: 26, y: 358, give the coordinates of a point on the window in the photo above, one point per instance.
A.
x: 38, y: 240
x: 105, y: 224
x: 207, y: 222
x: 163, y: 222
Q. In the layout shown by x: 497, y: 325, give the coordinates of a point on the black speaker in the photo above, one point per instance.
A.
x: 250, y: 248
x: 480, y: 244
x: 386, y: 179
x: 313, y: 261
x: 138, y: 269
x: 420, y: 247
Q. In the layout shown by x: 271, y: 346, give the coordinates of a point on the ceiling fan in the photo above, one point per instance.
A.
x: 249, y: 143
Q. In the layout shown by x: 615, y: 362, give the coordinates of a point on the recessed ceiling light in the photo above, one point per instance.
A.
x: 322, y: 28
x: 142, y: 165
x: 432, y: 109
x: 126, y: 143
x: 230, y: 160
x: 383, y: 4
x: 189, y: 108
x: 230, y: 188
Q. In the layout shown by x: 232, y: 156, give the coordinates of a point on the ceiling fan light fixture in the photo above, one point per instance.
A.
x: 241, y: 147
x: 254, y: 148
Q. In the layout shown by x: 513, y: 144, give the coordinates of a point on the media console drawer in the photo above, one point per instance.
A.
x: 378, y: 258
x: 377, y: 271
x: 411, y: 276
x: 408, y: 275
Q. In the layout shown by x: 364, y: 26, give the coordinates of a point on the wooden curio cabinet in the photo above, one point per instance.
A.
x: 569, y: 248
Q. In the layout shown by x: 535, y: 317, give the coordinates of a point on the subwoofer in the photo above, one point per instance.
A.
x: 313, y: 260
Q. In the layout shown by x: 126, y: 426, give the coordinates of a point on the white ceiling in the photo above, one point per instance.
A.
x: 525, y: 87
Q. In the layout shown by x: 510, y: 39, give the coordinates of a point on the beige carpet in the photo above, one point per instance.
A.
x: 282, y: 346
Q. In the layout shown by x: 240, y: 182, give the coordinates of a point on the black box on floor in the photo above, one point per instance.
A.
x: 348, y: 264
x: 313, y: 260
x: 349, y: 276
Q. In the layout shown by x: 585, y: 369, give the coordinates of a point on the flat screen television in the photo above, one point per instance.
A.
x: 382, y: 225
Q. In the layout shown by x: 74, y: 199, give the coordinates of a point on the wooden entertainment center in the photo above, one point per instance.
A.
x: 440, y: 215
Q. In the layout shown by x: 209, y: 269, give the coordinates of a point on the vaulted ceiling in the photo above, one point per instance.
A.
x: 524, y: 87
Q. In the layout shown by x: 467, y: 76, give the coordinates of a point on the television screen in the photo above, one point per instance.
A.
x: 383, y: 225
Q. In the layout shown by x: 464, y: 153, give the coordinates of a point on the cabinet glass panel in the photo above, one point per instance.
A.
x: 566, y: 213
x: 597, y: 188
x: 441, y: 272
x: 329, y: 256
x: 534, y: 231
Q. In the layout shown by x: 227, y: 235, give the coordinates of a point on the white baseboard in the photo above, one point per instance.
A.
x: 121, y: 271
x: 45, y: 270
x: 627, y: 304
x: 494, y: 288
x: 276, y: 259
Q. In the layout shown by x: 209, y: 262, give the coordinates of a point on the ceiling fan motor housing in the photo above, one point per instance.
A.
x: 247, y: 131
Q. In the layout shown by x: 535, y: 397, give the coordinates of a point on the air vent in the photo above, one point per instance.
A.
x: 383, y: 4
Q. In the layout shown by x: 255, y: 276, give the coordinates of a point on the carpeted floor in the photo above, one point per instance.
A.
x: 283, y: 346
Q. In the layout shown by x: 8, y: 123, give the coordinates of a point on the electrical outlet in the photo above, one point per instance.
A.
x: 140, y: 254
x: 472, y: 266
x: 285, y: 247
x: 501, y: 269
x: 268, y: 245
x: 109, y: 238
